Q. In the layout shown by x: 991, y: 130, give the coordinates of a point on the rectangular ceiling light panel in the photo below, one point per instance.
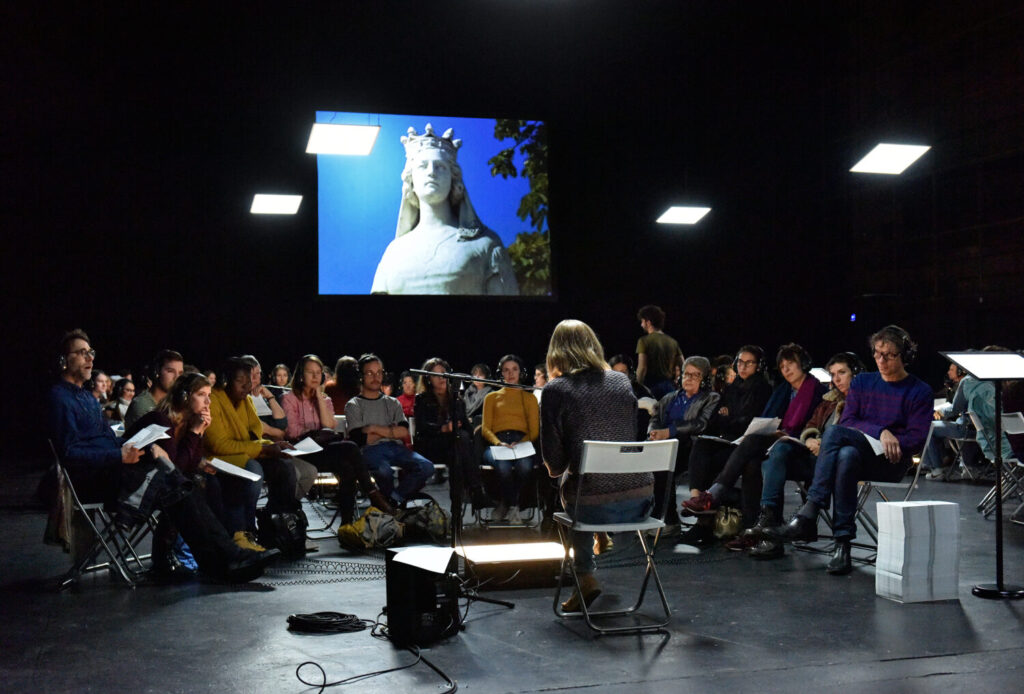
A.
x: 890, y: 159
x: 329, y: 138
x: 683, y: 215
x: 263, y: 203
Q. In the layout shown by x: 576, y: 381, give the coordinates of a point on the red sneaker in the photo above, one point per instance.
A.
x: 701, y: 505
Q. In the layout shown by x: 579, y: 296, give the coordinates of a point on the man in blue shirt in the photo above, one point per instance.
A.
x: 97, y: 463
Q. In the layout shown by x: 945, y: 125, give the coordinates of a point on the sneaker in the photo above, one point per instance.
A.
x: 937, y: 473
x: 500, y: 513
x: 247, y: 540
x: 514, y: 517
x: 701, y: 505
x: 740, y: 543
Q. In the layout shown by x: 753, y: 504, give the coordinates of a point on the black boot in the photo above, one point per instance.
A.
x: 798, y: 529
x: 699, y: 535
x: 768, y: 549
x: 840, y: 564
x: 767, y: 518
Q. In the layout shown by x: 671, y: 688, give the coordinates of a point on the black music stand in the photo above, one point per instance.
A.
x: 996, y: 367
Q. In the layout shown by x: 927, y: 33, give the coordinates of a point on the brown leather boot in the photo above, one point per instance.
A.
x: 379, y: 502
x: 591, y: 589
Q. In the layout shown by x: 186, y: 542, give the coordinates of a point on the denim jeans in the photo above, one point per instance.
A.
x: 938, y: 432
x: 512, y: 474
x: 845, y: 459
x: 233, y: 499
x: 616, y: 512
x: 415, y: 470
x: 786, y: 461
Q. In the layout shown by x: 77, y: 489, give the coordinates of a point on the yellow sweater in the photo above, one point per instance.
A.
x: 510, y: 409
x: 228, y: 437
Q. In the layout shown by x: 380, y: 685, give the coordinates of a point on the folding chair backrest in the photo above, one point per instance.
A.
x: 1013, y: 423
x: 615, y: 457
x: 979, y: 427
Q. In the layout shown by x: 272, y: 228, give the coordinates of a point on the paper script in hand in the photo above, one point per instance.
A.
x: 230, y: 469
x: 303, y: 447
x: 520, y: 450
x: 151, y: 434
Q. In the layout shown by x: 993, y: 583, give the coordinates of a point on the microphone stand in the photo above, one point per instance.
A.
x: 456, y: 386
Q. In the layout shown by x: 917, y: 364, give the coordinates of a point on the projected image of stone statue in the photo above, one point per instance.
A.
x: 440, y: 245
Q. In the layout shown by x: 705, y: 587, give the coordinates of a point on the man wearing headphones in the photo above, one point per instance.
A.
x: 99, y: 465
x: 377, y: 424
x: 166, y: 367
x: 889, y: 405
x: 950, y: 423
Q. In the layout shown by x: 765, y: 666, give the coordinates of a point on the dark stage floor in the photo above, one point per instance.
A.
x: 738, y: 626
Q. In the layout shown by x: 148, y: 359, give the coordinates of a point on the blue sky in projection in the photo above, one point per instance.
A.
x: 359, y: 196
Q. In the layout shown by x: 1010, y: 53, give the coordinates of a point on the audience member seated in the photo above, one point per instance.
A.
x: 311, y: 413
x: 793, y: 402
x: 476, y: 392
x: 789, y: 460
x: 443, y: 432
x: 280, y: 376
x: 211, y: 376
x: 97, y: 385
x: 657, y: 354
x: 540, y: 379
x: 647, y: 404
x: 891, y: 405
x: 104, y: 470
x: 164, y: 370
x: 952, y: 422
x: 586, y: 400
x: 511, y: 416
x: 235, y: 435
x: 345, y: 384
x: 723, y: 373
x: 121, y: 398
x: 682, y: 415
x: 276, y: 422
x: 377, y: 425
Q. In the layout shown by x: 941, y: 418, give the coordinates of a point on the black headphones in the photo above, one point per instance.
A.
x: 300, y: 369
x: 522, y: 367
x: 850, y: 359
x: 758, y: 354
x: 62, y: 362
x: 805, y: 358
x: 898, y: 336
x: 182, y: 390
x: 229, y: 368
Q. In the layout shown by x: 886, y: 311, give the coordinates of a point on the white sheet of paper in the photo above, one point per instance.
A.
x: 876, y: 445
x: 262, y: 408
x: 144, y: 437
x: 520, y: 450
x: 230, y: 469
x: 940, y: 402
x: 306, y: 445
x: 649, y: 404
x: 760, y: 425
x: 432, y: 559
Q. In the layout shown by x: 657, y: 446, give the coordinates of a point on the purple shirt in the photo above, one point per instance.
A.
x: 903, y: 407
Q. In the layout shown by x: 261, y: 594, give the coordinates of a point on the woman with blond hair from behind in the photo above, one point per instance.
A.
x: 586, y: 400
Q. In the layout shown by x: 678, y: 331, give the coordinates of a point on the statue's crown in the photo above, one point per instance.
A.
x: 416, y: 144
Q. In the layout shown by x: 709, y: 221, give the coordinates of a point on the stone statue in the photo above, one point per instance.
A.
x: 440, y: 245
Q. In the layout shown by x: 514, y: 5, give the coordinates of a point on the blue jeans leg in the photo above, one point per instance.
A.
x: 377, y: 459
x: 239, y: 498
x: 938, y: 432
x: 415, y: 471
x: 511, y: 475
x: 616, y: 512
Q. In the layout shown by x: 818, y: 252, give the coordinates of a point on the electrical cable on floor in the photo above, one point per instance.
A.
x: 340, y: 623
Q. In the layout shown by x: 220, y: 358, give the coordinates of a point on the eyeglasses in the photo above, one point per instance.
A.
x: 744, y: 362
x: 84, y: 352
x: 885, y: 356
x: 692, y: 374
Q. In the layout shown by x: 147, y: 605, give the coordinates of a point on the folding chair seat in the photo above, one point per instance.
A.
x: 112, y: 547
x: 617, y: 458
x: 1013, y: 469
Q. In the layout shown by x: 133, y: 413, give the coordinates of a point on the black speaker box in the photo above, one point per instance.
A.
x: 423, y: 605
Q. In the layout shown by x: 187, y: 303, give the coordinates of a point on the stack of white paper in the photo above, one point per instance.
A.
x: 918, y: 551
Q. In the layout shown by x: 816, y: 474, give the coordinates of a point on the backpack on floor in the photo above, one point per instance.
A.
x: 283, y: 531
x: 373, y: 529
x: 426, y: 521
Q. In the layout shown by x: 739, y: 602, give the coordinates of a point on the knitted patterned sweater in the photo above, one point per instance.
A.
x: 595, y: 406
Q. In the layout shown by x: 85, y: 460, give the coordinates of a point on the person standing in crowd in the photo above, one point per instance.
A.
x: 587, y: 400
x: 657, y: 354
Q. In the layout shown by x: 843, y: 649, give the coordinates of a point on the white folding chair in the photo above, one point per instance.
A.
x: 1012, y: 472
x: 116, y: 544
x: 617, y: 458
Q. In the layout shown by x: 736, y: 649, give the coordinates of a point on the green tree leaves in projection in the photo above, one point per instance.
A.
x: 531, y: 251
